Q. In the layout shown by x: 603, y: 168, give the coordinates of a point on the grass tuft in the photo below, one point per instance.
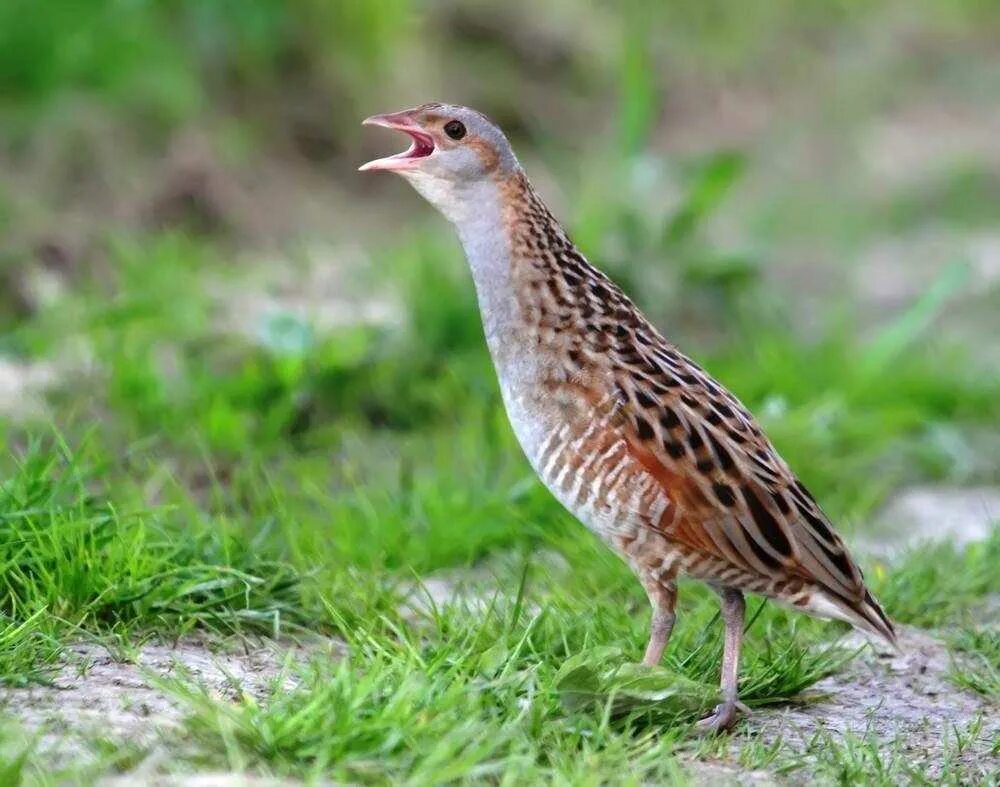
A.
x: 977, y: 665
x: 936, y: 585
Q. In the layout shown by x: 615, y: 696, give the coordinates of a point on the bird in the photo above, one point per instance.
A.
x: 648, y: 451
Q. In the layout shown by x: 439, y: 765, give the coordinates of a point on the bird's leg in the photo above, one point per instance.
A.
x: 663, y: 597
x: 733, y: 609
x: 659, y: 634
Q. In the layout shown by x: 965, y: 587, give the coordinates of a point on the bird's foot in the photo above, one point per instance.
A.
x: 723, y: 718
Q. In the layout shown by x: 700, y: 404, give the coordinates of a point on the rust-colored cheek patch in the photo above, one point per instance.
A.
x: 487, y: 153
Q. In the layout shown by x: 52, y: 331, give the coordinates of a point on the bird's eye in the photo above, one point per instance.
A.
x: 454, y: 129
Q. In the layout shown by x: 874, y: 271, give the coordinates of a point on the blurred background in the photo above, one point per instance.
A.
x: 804, y: 195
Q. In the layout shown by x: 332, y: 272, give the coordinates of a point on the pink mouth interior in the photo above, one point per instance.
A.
x: 421, y: 145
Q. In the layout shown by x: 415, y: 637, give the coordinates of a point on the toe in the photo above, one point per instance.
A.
x: 722, y: 719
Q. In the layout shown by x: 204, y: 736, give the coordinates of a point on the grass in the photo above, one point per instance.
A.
x: 935, y: 585
x: 72, y: 555
x: 511, y: 696
x: 978, y: 665
x: 528, y: 691
x: 15, y: 751
x: 28, y: 648
x: 863, y: 759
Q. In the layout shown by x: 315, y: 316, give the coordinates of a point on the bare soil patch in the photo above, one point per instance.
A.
x: 902, y: 702
x: 96, y: 694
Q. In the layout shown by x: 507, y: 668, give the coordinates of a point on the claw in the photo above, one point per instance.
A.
x: 723, y: 718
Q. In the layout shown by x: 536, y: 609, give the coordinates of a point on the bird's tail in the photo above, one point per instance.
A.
x: 875, y: 620
x: 866, y: 615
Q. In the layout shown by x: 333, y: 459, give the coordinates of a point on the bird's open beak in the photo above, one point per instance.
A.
x: 421, y: 144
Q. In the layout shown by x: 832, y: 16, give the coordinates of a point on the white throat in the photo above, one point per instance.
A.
x: 476, y: 210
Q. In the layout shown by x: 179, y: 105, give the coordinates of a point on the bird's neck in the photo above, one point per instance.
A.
x: 505, y: 231
x: 528, y: 274
x: 477, y: 209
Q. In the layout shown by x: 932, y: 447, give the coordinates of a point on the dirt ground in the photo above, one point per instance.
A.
x: 903, y: 702
x: 99, y: 694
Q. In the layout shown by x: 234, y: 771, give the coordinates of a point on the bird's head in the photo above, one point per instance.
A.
x: 455, y: 153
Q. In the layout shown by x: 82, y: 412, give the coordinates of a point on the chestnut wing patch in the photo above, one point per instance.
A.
x: 733, y: 496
